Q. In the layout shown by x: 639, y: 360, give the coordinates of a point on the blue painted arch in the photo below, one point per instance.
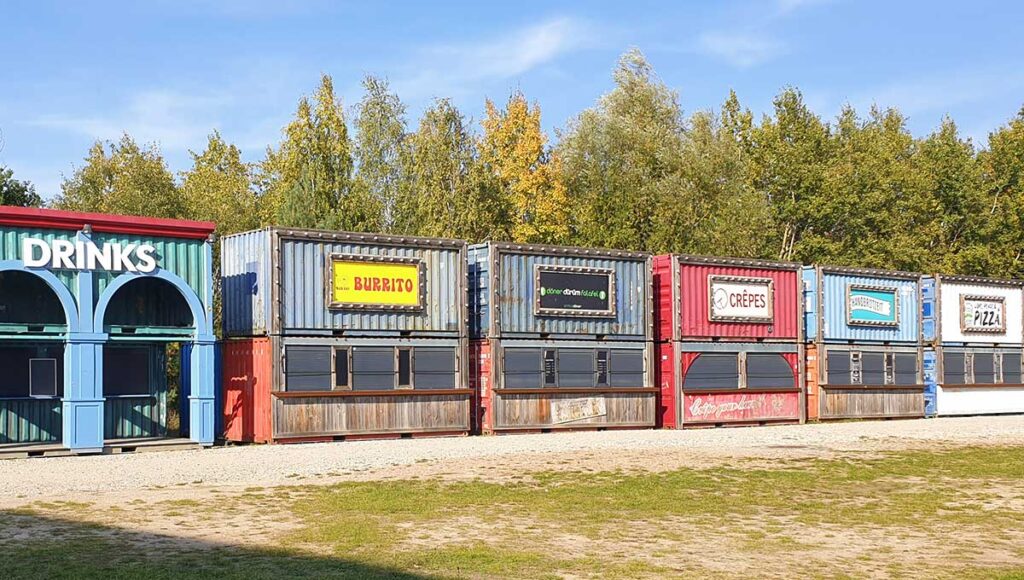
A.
x: 202, y: 322
x: 67, y: 301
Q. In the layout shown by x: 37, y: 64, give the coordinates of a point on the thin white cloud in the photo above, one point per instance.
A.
x: 740, y: 49
x: 172, y: 119
x: 942, y: 91
x: 454, y: 68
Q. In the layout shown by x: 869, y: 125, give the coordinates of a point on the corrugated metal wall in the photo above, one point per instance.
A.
x: 834, y: 313
x: 248, y: 380
x: 515, y: 296
x: 303, y: 289
x: 30, y: 420
x: 10, y: 249
x: 245, y: 283
x: 694, y: 322
x: 949, y: 312
x: 182, y: 257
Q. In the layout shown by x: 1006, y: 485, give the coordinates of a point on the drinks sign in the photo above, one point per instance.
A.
x: 872, y: 306
x: 573, y: 291
x: 740, y: 299
x: 375, y: 283
x: 86, y: 255
x: 983, y: 314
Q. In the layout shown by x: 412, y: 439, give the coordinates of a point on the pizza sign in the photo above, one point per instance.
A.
x: 740, y: 299
x: 983, y: 314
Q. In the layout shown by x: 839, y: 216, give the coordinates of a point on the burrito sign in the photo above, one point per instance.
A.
x: 740, y: 299
x: 375, y: 283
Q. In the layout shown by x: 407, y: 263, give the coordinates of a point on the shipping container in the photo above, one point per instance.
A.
x: 729, y: 334
x: 705, y: 298
x: 561, y: 338
x: 973, y: 327
x: 337, y: 335
x: 536, y: 291
x: 279, y: 281
x: 88, y: 304
x: 863, y: 329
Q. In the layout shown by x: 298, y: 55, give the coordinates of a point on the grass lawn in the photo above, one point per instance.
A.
x: 952, y: 513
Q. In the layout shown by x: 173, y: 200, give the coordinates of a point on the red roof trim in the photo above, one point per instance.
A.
x: 33, y: 217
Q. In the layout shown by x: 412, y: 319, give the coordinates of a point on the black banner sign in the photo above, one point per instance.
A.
x: 574, y: 293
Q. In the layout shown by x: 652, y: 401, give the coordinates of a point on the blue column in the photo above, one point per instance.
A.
x: 82, y: 410
x: 201, y: 400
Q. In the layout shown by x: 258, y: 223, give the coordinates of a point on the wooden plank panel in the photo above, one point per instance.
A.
x: 871, y: 403
x: 534, y: 411
x: 312, y: 416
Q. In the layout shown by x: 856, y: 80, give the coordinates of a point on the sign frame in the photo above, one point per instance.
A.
x: 964, y: 328
x: 753, y: 280
x: 874, y: 323
x: 332, y: 258
x: 539, y: 310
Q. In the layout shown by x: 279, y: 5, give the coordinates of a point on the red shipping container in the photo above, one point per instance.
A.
x: 248, y: 376
x: 703, y: 298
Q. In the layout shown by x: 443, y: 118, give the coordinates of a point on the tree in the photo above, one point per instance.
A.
x: 618, y: 156
x: 382, y: 151
x: 16, y: 192
x: 126, y: 180
x: 513, y: 151
x: 312, y: 168
x: 1002, y: 170
x: 218, y: 188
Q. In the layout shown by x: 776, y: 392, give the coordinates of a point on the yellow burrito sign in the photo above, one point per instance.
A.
x: 359, y: 283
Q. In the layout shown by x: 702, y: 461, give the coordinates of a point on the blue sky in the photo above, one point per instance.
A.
x: 170, y: 71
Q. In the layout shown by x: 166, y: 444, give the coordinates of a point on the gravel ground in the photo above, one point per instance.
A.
x: 271, y: 465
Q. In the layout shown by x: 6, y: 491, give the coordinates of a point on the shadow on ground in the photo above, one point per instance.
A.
x: 36, y: 546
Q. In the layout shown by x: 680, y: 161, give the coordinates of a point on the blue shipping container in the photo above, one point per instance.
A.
x: 861, y: 306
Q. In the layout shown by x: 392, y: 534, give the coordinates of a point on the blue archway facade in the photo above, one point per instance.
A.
x: 182, y: 256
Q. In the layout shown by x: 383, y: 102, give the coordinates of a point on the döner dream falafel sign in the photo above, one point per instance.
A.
x: 740, y: 299
x: 574, y: 291
x: 375, y: 283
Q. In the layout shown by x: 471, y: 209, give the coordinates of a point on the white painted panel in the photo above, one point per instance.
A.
x: 975, y: 401
x: 952, y: 327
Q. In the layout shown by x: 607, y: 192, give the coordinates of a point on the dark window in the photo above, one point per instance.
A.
x: 575, y: 368
x: 905, y: 368
x: 713, y: 371
x: 627, y: 368
x: 602, y: 368
x: 549, y: 368
x: 434, y: 368
x: 1011, y: 368
x: 523, y: 368
x: 42, y: 377
x: 838, y: 367
x: 373, y: 368
x: 769, y: 370
x: 873, y: 368
x: 984, y: 368
x: 953, y: 368
x: 307, y: 368
x: 404, y: 368
x: 126, y: 371
x: 17, y: 378
x: 341, y: 368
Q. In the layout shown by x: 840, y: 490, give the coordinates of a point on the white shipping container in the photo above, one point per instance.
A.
x: 981, y: 313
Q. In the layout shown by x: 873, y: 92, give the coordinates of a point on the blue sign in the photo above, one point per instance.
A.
x: 872, y: 306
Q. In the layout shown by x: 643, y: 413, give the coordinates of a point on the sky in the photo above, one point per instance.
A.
x: 171, y: 71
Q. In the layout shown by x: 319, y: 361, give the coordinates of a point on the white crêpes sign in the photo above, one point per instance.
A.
x: 740, y: 299
x: 86, y: 255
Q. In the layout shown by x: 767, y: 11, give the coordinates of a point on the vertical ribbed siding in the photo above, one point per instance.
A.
x: 479, y: 290
x: 30, y: 420
x: 303, y: 265
x: 245, y: 283
x: 10, y: 249
x: 694, y: 319
x: 833, y: 301
x: 514, y: 293
x: 182, y: 257
x: 949, y: 313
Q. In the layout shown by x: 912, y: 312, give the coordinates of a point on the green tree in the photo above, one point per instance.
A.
x: 382, y: 151
x: 127, y: 179
x: 218, y: 188
x: 312, y: 168
x: 620, y: 155
x: 1002, y: 170
x: 17, y: 192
